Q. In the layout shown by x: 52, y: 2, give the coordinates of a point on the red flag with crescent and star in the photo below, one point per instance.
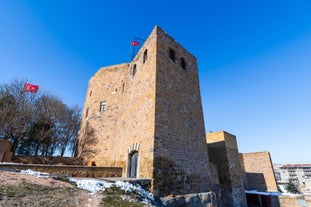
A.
x: 30, y: 88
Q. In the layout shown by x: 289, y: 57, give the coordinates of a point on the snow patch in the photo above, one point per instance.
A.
x: 35, y: 173
x: 91, y: 185
x: 95, y: 185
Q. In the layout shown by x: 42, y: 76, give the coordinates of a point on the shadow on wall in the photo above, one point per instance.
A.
x: 86, y: 143
x: 256, y: 181
x: 256, y: 200
x: 262, y: 198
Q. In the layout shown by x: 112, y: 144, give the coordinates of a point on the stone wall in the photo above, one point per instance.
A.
x: 48, y: 160
x: 206, y: 199
x: 293, y: 201
x: 180, y: 154
x: 152, y: 108
x: 72, y: 171
x: 127, y: 123
x: 223, y: 151
x: 259, y: 174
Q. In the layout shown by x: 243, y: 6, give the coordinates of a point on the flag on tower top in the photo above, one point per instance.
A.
x: 135, y: 43
x: 30, y: 88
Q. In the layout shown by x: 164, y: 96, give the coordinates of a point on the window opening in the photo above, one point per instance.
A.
x: 87, y: 112
x: 183, y: 63
x: 172, y: 54
x: 103, y: 106
x: 134, y: 70
x: 90, y: 93
x: 145, y: 56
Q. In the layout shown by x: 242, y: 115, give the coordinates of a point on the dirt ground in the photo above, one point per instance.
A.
x: 24, y: 190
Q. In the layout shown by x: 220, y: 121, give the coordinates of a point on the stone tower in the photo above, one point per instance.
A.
x: 223, y: 151
x: 146, y: 117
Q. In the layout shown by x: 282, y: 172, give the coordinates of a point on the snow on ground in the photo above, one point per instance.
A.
x: 262, y: 193
x: 35, y: 173
x: 90, y: 184
x: 282, y: 188
x: 95, y: 185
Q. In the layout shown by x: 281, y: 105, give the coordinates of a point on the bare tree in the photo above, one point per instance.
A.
x: 67, y: 129
x: 49, y: 110
x: 16, y: 112
x: 37, y: 124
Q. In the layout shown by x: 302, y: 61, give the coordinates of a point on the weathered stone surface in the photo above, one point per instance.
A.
x: 205, y: 199
x: 48, y: 160
x: 179, y: 125
x: 259, y: 174
x: 152, y: 107
x: 68, y: 170
x: 148, y: 114
x: 223, y: 152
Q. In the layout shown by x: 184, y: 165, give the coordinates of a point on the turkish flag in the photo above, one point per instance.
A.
x: 30, y: 88
x: 135, y: 43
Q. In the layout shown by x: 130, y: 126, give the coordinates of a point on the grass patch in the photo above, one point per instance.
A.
x: 114, y: 197
x: 28, y: 189
x: 11, y: 191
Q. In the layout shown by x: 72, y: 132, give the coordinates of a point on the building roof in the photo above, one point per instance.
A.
x: 295, y: 165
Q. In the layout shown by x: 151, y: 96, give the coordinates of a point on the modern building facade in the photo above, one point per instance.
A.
x: 295, y: 173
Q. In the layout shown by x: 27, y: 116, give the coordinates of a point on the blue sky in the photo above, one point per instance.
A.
x: 254, y: 58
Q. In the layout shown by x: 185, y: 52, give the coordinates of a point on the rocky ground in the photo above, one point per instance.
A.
x: 24, y: 190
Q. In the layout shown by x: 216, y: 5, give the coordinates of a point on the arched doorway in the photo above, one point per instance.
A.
x: 133, y: 162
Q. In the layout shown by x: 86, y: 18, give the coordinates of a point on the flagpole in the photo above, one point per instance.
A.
x: 135, y: 39
x: 133, y: 52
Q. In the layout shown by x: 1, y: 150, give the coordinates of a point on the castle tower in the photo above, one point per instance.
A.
x: 146, y: 117
x: 223, y: 152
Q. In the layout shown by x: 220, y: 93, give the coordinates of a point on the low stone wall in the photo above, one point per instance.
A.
x: 68, y: 170
x: 288, y: 201
x: 49, y: 160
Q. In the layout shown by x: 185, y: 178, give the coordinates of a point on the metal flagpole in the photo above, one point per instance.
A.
x: 135, y: 43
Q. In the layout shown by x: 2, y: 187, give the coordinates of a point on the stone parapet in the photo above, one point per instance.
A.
x: 72, y: 171
x: 48, y: 160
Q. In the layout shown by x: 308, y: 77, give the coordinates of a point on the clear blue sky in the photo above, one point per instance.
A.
x: 254, y: 58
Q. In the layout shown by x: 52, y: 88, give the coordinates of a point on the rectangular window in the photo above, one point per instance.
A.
x: 183, y: 63
x: 87, y: 112
x: 172, y: 54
